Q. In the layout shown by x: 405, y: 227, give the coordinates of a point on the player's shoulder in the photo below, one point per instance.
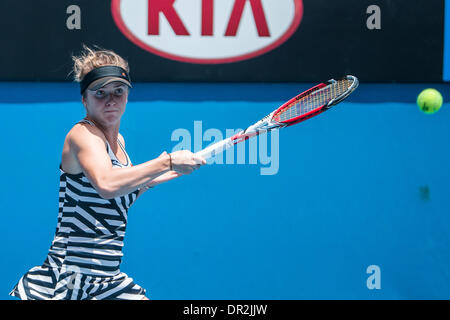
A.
x: 84, y: 133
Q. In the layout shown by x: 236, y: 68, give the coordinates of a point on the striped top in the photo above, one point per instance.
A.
x: 90, y: 231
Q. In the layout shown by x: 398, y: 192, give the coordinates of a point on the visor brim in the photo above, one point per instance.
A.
x: 100, y: 83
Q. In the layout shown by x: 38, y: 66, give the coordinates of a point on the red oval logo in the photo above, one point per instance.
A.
x: 207, y: 31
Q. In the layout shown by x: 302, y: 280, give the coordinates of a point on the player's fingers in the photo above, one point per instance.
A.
x: 187, y: 169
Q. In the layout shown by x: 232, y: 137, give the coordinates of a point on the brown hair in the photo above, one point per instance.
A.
x: 89, y: 59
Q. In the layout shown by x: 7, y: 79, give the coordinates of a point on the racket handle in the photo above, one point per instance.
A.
x: 215, y: 148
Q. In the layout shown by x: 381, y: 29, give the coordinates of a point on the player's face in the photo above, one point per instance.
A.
x: 107, y: 104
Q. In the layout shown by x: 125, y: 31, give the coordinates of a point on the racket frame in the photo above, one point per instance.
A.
x: 268, y: 123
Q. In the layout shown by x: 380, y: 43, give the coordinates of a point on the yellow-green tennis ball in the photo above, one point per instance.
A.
x: 429, y: 101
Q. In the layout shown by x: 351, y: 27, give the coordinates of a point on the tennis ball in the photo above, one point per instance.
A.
x: 429, y: 101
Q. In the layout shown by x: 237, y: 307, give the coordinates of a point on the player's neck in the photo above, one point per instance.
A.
x: 111, y: 132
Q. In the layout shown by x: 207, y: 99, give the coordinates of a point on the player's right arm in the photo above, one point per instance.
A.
x: 87, y: 145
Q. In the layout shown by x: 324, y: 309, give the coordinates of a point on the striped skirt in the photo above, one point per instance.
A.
x: 46, y: 283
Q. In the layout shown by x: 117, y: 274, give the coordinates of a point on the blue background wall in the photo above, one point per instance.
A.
x: 350, y: 193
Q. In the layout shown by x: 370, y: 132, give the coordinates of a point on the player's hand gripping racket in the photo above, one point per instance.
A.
x: 302, y: 107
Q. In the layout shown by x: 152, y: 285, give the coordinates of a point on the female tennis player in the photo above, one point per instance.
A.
x: 98, y: 184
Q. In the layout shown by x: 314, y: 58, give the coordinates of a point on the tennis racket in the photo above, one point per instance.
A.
x: 300, y: 108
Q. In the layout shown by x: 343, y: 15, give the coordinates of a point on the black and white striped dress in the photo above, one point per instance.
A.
x: 84, y: 258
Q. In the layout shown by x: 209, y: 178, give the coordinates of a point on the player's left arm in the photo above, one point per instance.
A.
x: 170, y: 175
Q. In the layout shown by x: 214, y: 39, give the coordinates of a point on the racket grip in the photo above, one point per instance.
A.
x: 215, y: 148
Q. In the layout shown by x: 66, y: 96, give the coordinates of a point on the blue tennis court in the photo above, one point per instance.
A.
x: 365, y: 184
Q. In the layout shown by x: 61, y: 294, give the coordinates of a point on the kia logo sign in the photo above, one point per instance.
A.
x: 208, y: 31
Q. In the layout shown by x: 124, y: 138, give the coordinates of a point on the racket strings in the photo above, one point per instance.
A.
x: 314, y: 100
